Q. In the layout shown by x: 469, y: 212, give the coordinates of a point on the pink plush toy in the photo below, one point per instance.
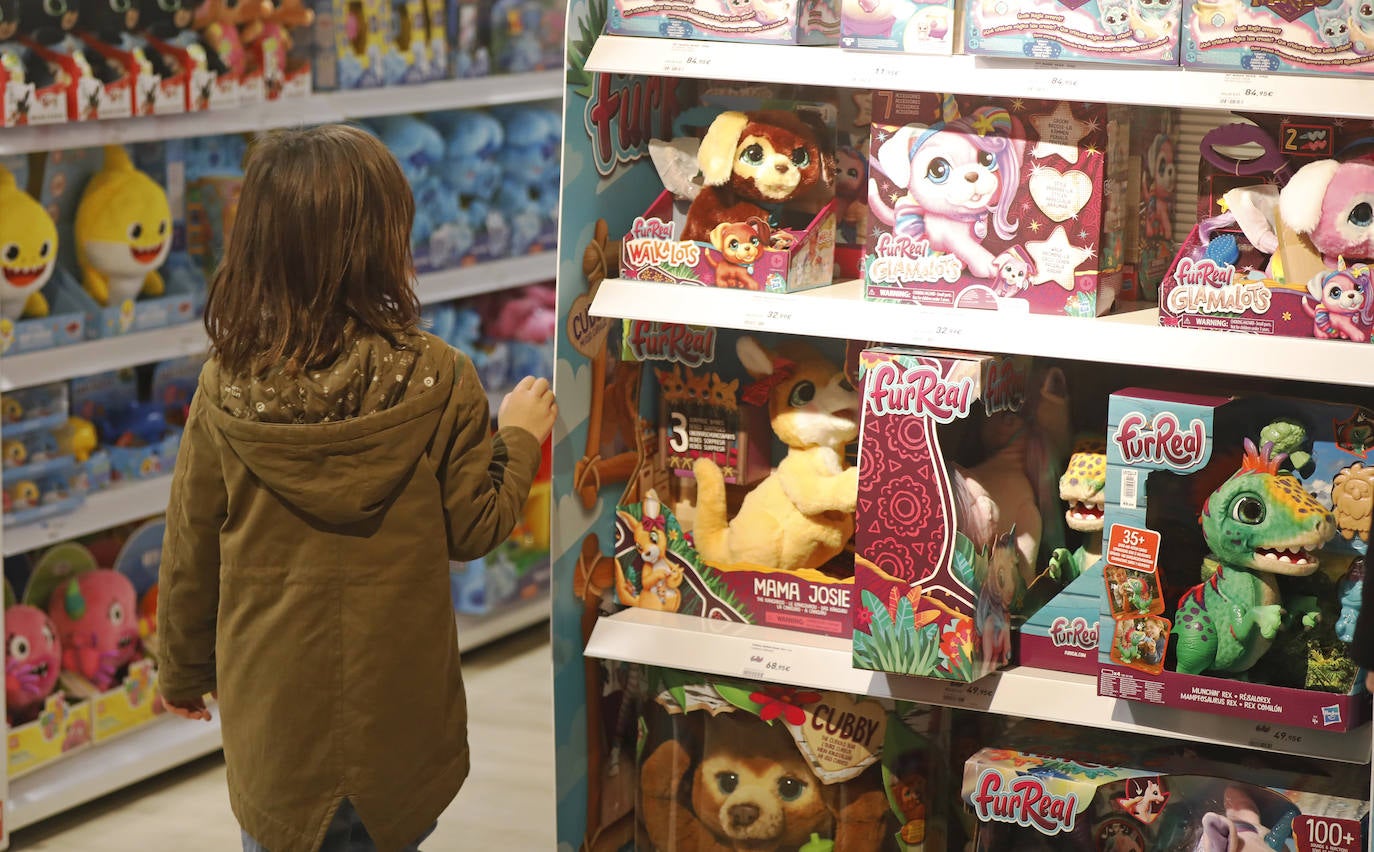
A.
x: 1333, y: 205
x: 96, y: 615
x: 528, y: 316
x: 33, y: 658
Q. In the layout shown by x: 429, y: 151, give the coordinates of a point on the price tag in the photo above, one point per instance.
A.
x: 1268, y: 736
x: 688, y: 59
x: 1326, y: 834
x: 765, y: 312
x: 875, y: 73
x: 977, y: 694
x: 1246, y: 90
x: 1060, y: 79
x: 1132, y: 547
x: 766, y: 661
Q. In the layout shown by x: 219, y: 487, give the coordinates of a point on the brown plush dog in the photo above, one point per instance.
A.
x: 752, y: 159
x: 752, y: 790
x: 739, y: 244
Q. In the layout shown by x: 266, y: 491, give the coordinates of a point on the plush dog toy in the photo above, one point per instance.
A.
x: 752, y: 790
x: 1332, y: 204
x: 801, y: 515
x: 751, y: 162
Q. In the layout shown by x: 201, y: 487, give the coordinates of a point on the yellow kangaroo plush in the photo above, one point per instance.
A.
x: 123, y: 231
x: 802, y: 514
x: 28, y: 251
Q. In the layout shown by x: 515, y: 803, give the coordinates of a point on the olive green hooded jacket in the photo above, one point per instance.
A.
x: 305, y: 579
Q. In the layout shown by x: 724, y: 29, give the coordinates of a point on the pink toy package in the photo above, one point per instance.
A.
x: 994, y: 203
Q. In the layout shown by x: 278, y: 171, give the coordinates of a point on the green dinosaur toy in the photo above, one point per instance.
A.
x: 1081, y: 488
x: 1258, y: 524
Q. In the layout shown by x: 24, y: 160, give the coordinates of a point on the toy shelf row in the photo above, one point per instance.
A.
x: 974, y: 75
x: 1125, y: 337
x: 319, y: 108
x: 66, y: 362
x: 690, y: 643
x: 168, y: 743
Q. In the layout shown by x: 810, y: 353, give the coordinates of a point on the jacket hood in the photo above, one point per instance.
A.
x: 337, y: 455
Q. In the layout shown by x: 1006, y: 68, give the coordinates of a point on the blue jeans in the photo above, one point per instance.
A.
x: 345, y: 834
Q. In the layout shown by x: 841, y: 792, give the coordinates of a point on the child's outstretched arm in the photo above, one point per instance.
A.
x: 188, y: 581
x: 486, y: 478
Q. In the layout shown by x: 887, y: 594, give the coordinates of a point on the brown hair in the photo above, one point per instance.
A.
x: 319, y: 252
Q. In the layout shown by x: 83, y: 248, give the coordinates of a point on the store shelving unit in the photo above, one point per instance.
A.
x: 83, y: 359
x: 476, y: 631
x: 101, y: 511
x: 318, y: 108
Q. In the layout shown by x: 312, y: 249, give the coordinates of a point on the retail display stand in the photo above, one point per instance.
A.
x: 166, y: 742
x: 622, y: 92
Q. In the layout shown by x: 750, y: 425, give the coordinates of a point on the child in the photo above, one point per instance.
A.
x: 334, y: 460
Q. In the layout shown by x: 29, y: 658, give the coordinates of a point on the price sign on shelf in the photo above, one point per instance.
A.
x: 687, y: 58
x: 770, y: 313
x: 1060, y: 79
x: 976, y: 694
x: 766, y: 661
x: 1269, y: 736
x: 1246, y: 90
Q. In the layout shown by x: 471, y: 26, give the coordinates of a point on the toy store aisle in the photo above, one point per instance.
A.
x: 506, y: 804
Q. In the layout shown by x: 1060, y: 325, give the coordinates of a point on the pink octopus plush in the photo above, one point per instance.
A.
x: 96, y: 615
x: 33, y: 658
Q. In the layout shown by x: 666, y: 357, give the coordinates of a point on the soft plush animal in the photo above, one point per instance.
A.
x: 33, y: 659
x: 801, y: 515
x: 123, y: 231
x: 1240, y: 829
x: 473, y: 141
x: 1332, y: 204
x: 1341, y: 303
x: 750, y: 790
x: 219, y: 21
x: 28, y: 251
x: 740, y: 244
x: 96, y: 614
x: 659, y: 577
x: 959, y: 178
x: 753, y: 163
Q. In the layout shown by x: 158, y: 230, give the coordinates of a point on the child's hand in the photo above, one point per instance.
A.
x: 192, y: 709
x: 530, y: 406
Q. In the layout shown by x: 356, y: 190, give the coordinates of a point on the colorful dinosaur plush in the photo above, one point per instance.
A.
x: 1081, y: 489
x: 1258, y: 524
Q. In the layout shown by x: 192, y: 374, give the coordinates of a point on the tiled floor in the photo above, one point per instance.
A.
x: 507, y: 803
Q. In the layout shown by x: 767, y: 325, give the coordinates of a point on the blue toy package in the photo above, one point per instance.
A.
x: 43, y: 407
x: 1134, y: 31
x: 33, y: 455
x: 140, y: 437
x: 527, y: 35
x: 350, y: 43
x: 412, y: 53
x: 469, y: 38
x: 28, y: 500
x: 1295, y: 38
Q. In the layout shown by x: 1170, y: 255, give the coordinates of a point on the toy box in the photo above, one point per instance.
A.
x: 1302, y: 38
x: 936, y: 578
x: 1249, y: 265
x: 778, y: 767
x: 1245, y: 610
x: 1047, y: 787
x: 792, y: 22
x: 63, y: 727
x: 87, y: 98
x: 22, y: 101
x: 526, y: 35
x: 1134, y: 31
x: 410, y: 51
x: 141, y: 438
x: 1151, y: 186
x: 350, y: 43
x: 902, y: 26
x: 469, y: 38
x: 702, y: 541
x: 1025, y: 224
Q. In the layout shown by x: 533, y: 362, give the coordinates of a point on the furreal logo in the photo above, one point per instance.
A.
x: 920, y: 391
x: 652, y: 228
x: 624, y: 113
x: 1023, y: 801
x: 899, y: 259
x: 1206, y: 287
x: 652, y: 244
x: 1074, y: 634
x: 654, y: 341
x: 1163, y: 441
x: 1006, y: 389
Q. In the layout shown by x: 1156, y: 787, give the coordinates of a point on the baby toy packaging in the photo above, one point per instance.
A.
x: 1135, y: 31
x: 754, y: 21
x: 996, y: 203
x: 1297, y: 38
x: 1245, y: 609
x: 777, y: 767
x: 945, y: 542
x: 1047, y: 787
x: 735, y: 523
x: 748, y: 204
x: 904, y: 26
x: 1280, y: 247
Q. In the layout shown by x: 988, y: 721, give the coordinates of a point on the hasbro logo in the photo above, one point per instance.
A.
x: 1331, y: 715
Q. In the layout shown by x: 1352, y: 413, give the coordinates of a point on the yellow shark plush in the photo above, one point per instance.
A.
x: 123, y: 231
x: 28, y: 251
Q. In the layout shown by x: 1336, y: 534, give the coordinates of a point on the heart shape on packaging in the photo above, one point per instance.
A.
x: 841, y: 737
x: 1060, y: 196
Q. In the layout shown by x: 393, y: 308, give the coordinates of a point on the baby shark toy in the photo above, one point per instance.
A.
x: 123, y: 232
x: 28, y: 251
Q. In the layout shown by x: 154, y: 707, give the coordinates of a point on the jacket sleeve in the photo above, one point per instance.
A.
x: 188, y: 580
x: 486, y: 478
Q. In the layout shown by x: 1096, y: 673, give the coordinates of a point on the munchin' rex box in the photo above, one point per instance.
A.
x: 936, y: 576
x: 1141, y: 32
x: 995, y: 203
x: 1236, y: 531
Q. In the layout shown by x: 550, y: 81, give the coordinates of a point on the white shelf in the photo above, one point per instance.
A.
x: 969, y: 75
x: 820, y: 662
x: 162, y: 744
x: 101, y: 511
x: 83, y: 359
x: 315, y: 109
x: 474, y: 631
x: 1132, y: 337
